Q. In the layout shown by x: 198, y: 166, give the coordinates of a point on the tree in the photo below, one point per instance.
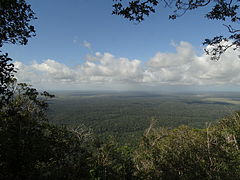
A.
x: 225, y: 10
x: 31, y: 147
x: 22, y: 126
x: 15, y: 16
x: 187, y: 153
x: 6, y: 77
x: 113, y: 161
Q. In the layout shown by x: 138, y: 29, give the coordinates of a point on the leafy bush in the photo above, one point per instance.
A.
x: 31, y: 148
x: 187, y: 153
x: 113, y: 161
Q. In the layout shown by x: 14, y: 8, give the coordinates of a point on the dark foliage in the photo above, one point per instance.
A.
x: 6, y: 77
x: 113, y: 161
x: 15, y: 16
x: 136, y: 9
x: 31, y: 148
x: 186, y: 153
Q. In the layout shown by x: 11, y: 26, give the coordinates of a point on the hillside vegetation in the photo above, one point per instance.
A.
x: 33, y: 148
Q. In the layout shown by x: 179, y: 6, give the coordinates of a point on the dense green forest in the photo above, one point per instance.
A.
x: 33, y: 147
x: 126, y: 115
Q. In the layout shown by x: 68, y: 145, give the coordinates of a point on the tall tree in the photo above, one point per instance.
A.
x: 15, y: 28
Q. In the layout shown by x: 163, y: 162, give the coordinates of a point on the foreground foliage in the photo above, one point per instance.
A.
x: 32, y: 148
x: 187, y: 153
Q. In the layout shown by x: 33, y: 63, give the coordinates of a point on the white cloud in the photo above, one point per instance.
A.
x: 87, y: 44
x: 106, y: 69
x: 184, y: 54
x: 184, y: 67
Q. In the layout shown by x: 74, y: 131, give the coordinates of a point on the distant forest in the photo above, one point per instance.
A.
x: 77, y: 145
x: 125, y: 115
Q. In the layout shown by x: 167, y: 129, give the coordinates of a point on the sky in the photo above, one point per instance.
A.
x: 80, y: 45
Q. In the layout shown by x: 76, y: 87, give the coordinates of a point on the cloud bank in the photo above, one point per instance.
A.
x: 105, y: 71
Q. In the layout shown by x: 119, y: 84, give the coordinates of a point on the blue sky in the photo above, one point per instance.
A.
x: 74, y: 32
x: 62, y: 27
